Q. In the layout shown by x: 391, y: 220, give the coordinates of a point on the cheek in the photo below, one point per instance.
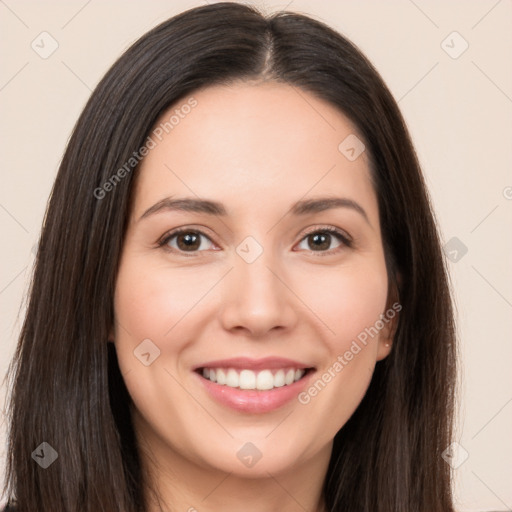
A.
x: 142, y: 303
x: 149, y: 305
x: 348, y: 301
x: 150, y: 301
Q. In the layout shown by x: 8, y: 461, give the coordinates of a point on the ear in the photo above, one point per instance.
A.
x: 390, y: 320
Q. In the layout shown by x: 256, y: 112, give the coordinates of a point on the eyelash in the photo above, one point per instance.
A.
x: 340, y: 235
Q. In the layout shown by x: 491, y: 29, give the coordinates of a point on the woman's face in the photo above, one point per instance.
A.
x: 255, y: 293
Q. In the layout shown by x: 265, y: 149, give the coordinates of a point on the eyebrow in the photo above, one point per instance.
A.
x: 304, y: 207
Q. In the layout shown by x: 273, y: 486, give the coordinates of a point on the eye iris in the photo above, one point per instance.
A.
x: 322, y: 238
x: 190, y: 241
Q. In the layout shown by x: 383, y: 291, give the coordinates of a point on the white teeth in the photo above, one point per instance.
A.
x: 248, y: 379
x: 221, y: 376
x: 290, y: 375
x: 279, y: 379
x: 232, y: 379
x: 265, y: 380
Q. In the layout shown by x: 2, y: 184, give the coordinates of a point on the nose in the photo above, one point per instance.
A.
x: 257, y: 298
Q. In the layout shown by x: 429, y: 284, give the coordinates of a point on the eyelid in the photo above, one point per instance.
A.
x: 329, y: 229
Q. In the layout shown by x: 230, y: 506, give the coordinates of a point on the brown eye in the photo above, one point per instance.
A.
x: 185, y: 240
x: 321, y: 240
x: 188, y: 241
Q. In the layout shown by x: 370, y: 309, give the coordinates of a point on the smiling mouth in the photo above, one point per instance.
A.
x: 262, y: 380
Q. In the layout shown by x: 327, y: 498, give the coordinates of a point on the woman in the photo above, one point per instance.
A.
x: 239, y: 298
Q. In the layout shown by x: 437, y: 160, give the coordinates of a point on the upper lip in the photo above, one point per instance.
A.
x: 247, y: 363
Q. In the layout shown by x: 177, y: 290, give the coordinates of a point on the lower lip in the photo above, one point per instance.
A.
x: 252, y: 400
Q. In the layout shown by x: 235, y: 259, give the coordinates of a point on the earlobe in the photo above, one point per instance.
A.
x: 387, y: 335
x: 390, y: 317
x: 384, y: 349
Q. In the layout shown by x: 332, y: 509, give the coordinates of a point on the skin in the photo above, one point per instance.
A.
x: 256, y: 148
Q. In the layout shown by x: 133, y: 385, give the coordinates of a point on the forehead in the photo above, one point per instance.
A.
x: 252, y: 145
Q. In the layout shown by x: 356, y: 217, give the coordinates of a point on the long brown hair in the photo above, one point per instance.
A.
x: 67, y: 389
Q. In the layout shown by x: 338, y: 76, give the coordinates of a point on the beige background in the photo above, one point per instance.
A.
x: 458, y: 110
